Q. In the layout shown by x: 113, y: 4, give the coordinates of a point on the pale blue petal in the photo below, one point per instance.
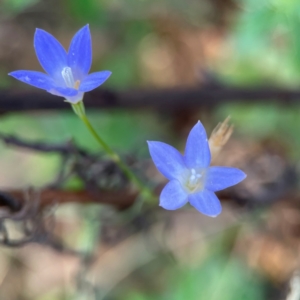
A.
x: 80, y: 53
x: 206, y: 202
x: 63, y: 92
x: 50, y: 53
x: 93, y: 80
x: 219, y: 178
x: 197, y: 153
x: 74, y: 99
x: 167, y: 159
x: 36, y: 79
x: 173, y: 196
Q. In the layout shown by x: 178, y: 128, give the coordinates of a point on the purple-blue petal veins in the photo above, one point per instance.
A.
x: 206, y: 202
x: 173, y: 196
x: 219, y: 178
x: 36, y: 79
x: 50, y: 53
x: 197, y: 153
x: 167, y: 159
x: 80, y: 53
x: 93, y: 80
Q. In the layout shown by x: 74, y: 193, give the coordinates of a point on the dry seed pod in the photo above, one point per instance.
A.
x: 219, y: 137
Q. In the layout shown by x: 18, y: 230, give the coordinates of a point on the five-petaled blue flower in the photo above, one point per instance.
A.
x: 191, y: 178
x: 67, y: 73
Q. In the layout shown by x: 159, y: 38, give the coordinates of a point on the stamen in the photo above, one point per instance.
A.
x: 194, y: 180
x: 77, y: 84
x: 194, y: 177
x: 68, y: 77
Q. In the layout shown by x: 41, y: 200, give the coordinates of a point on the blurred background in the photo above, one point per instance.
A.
x: 70, y: 227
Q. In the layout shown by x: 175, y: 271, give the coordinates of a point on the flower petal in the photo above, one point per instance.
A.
x: 167, y: 159
x: 206, y: 202
x: 50, y: 53
x: 219, y: 178
x: 197, y: 153
x: 80, y: 53
x: 173, y: 196
x: 63, y: 92
x: 93, y: 80
x: 37, y: 79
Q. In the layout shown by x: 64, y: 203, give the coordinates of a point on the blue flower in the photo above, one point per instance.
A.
x: 191, y: 178
x: 67, y: 73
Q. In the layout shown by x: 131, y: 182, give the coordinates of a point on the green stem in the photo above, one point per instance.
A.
x: 145, y: 191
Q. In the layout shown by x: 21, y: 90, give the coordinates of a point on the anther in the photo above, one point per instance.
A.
x: 77, y: 84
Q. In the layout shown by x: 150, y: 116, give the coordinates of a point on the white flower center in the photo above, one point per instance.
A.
x: 194, y: 181
x: 194, y: 178
x: 69, y: 78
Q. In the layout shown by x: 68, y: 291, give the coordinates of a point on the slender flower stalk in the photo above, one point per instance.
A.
x: 80, y: 111
x: 67, y: 76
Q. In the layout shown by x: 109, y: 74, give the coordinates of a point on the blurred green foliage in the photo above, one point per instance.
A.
x: 264, y: 42
x: 122, y: 60
x: 124, y: 131
x: 15, y: 6
x: 218, y: 277
x: 261, y: 122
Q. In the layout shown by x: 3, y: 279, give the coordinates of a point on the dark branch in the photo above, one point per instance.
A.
x: 64, y: 149
x: 120, y: 199
x: 171, y: 99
